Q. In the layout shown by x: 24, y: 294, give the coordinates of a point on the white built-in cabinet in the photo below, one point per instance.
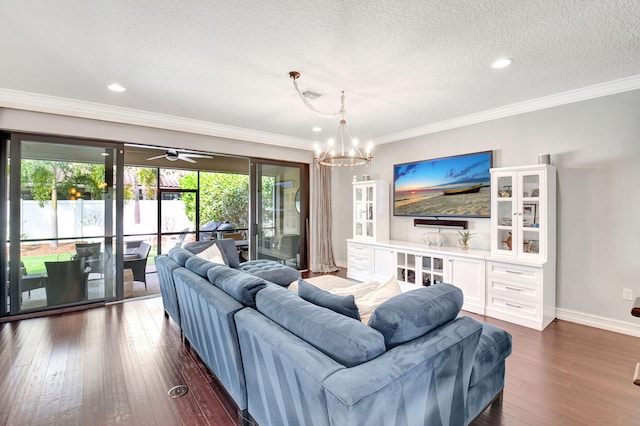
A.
x: 382, y: 267
x: 359, y: 264
x: 521, y: 273
x: 415, y: 265
x: 417, y: 268
x: 370, y: 210
x: 515, y: 281
x: 468, y: 274
x: 523, y: 212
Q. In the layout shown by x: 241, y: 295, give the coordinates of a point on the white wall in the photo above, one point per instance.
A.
x: 595, y: 145
x: 34, y: 122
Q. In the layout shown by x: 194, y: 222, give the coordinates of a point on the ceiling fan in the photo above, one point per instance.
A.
x: 173, y: 155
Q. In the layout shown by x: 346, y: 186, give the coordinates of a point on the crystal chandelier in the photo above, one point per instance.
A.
x: 349, y: 155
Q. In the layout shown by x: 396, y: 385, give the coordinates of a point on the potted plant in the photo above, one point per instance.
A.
x: 464, y: 238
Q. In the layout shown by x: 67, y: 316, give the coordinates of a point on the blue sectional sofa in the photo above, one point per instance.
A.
x: 286, y: 361
x: 274, y: 272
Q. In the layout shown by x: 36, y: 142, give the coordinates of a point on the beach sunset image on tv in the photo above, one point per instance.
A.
x: 449, y: 186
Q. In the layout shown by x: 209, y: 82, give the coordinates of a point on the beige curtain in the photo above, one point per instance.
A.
x: 321, y: 235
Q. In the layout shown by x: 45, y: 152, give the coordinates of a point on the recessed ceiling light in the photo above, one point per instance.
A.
x: 316, y: 129
x: 116, y: 87
x: 501, y: 63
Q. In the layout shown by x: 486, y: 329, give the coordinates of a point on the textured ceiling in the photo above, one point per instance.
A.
x: 402, y: 64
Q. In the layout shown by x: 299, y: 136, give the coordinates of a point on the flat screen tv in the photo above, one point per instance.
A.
x: 444, y: 187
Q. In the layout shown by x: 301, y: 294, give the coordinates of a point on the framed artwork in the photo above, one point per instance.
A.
x: 529, y: 212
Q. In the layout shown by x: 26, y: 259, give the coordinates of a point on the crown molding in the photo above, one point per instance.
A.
x: 558, y: 99
x: 95, y: 111
x: 70, y: 107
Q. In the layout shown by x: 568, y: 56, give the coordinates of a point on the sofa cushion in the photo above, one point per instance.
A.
x: 344, y: 339
x: 237, y: 284
x: 344, y: 305
x: 229, y: 251
x: 272, y: 271
x: 414, y: 313
x: 213, y: 254
x: 196, y: 247
x: 493, y: 348
x: 180, y: 255
x: 200, y: 266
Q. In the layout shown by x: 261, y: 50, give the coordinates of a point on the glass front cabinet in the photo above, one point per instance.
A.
x: 370, y: 210
x: 415, y: 269
x: 521, y: 199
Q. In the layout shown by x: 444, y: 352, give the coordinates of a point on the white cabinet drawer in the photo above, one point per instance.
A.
x: 359, y: 254
x: 513, y: 306
x: 359, y: 249
x: 513, y: 289
x: 355, y: 259
x: 359, y: 269
x: 516, y: 272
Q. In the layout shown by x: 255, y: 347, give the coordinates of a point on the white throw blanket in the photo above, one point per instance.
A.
x: 368, y: 295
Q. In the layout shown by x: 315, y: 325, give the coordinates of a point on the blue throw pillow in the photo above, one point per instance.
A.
x: 344, y: 339
x: 410, y: 315
x: 345, y: 305
x: 196, y: 247
x: 228, y: 248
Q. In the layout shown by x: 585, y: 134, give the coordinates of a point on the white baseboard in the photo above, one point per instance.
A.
x: 341, y: 264
x: 618, y: 326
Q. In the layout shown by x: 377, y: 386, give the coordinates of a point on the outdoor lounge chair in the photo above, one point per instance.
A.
x: 137, y: 262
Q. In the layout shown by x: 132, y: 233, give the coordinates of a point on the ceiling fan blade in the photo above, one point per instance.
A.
x: 183, y: 158
x: 195, y: 155
x: 156, y: 157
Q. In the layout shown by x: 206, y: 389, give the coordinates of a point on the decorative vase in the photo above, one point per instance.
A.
x: 465, y: 247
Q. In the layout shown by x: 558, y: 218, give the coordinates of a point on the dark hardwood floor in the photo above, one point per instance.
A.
x: 114, y: 365
x: 111, y: 365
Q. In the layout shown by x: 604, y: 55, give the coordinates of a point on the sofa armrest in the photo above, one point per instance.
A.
x: 426, y: 381
x: 283, y: 373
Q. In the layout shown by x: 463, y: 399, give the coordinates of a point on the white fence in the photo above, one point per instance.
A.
x: 81, y: 218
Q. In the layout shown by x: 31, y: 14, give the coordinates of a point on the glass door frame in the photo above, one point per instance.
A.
x: 13, y: 197
x: 255, y: 188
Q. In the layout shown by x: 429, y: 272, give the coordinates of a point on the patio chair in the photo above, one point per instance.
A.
x: 93, y: 256
x: 66, y: 281
x: 137, y: 262
x: 132, y: 246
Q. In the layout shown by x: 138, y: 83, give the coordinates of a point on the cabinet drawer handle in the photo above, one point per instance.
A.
x: 513, y: 288
x: 513, y: 305
x: 513, y: 272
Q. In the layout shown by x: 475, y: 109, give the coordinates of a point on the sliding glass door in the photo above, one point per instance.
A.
x: 61, y: 223
x: 280, y: 229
